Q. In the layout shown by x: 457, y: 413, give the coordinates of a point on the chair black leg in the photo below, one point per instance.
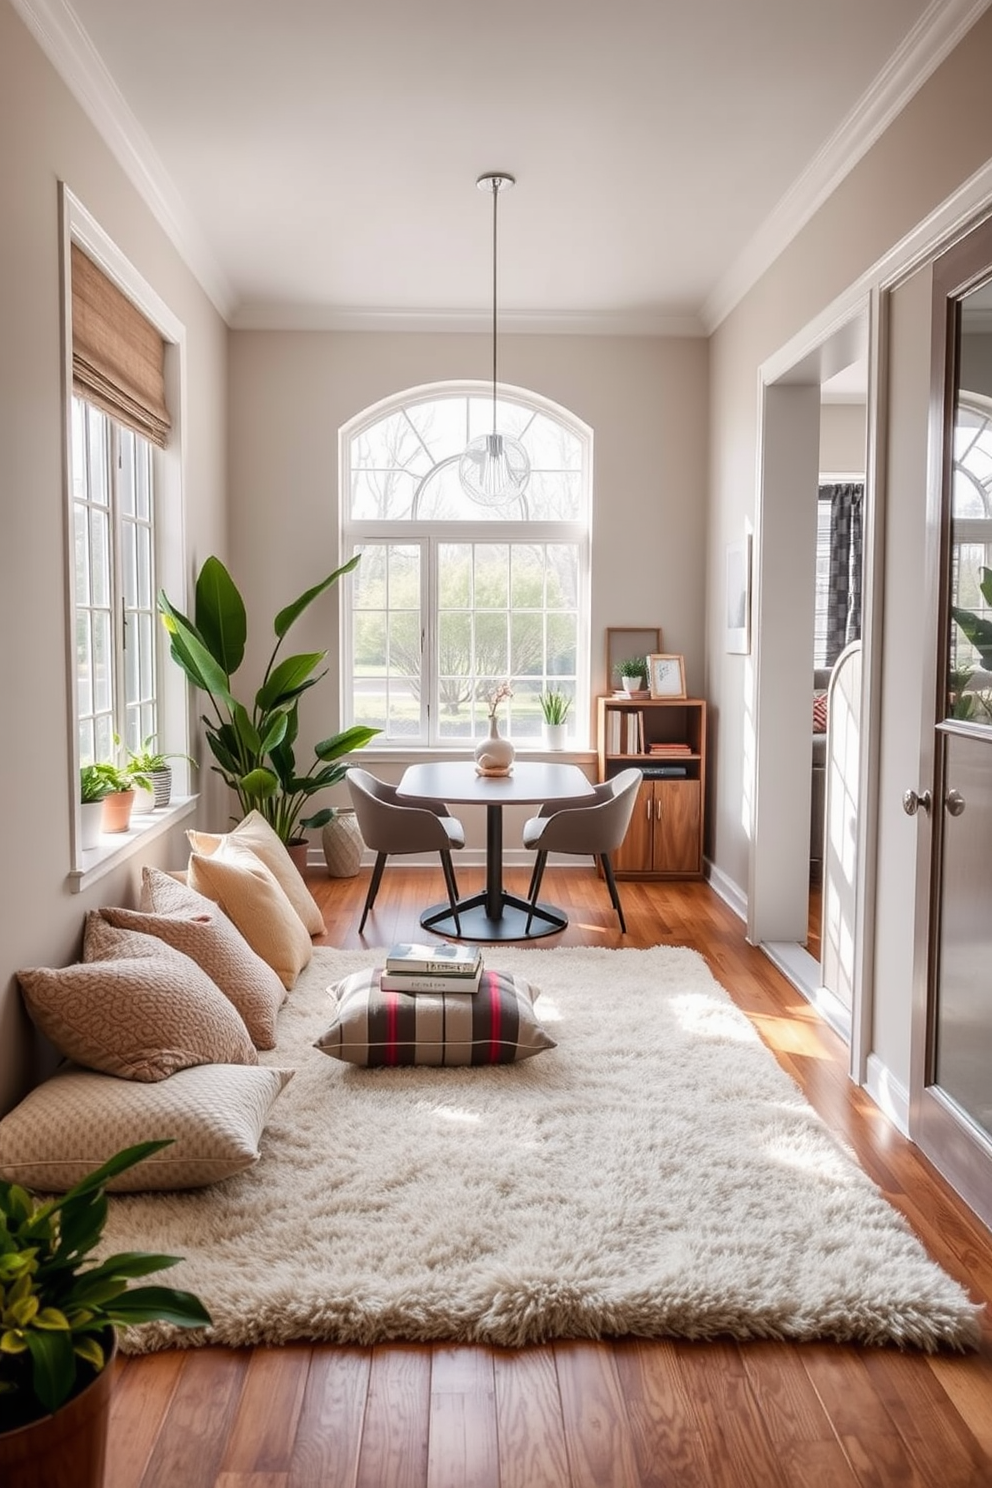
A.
x: 535, y: 886
x: 449, y: 879
x: 533, y: 878
x: 611, y: 884
x: 380, y: 863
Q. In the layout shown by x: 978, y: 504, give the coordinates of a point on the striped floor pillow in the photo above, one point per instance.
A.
x: 496, y: 1025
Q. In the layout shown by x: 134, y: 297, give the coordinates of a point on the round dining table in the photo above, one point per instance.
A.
x: 495, y: 914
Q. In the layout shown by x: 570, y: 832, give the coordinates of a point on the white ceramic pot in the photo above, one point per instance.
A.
x: 90, y: 824
x: 633, y: 684
x: 555, y: 735
x: 494, y: 754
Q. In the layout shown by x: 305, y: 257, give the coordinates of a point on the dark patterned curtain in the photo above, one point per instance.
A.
x: 844, y: 589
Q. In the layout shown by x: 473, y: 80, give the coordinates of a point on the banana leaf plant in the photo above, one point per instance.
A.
x: 254, y: 750
x: 977, y: 629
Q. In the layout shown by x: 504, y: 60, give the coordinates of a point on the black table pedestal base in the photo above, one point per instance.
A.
x: 476, y: 923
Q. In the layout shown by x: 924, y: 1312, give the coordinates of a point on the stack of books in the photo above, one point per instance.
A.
x: 445, y: 967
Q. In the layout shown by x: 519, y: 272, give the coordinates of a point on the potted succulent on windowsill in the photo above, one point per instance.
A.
x: 59, y: 1310
x: 631, y: 671
x: 118, y: 797
x: 555, y: 707
x: 254, y: 749
x: 92, y: 789
x: 154, y: 765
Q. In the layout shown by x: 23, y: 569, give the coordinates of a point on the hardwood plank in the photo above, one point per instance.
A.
x: 191, y: 1442
x: 462, y: 1450
x: 858, y: 1415
x: 736, y: 1441
x: 395, y: 1437
x: 529, y: 1428
x: 252, y: 1480
x: 665, y: 1432
x: 938, y: 1440
x: 597, y: 1431
x: 329, y: 1430
x: 141, y: 1397
x: 265, y: 1425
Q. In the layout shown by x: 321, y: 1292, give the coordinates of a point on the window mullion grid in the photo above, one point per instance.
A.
x: 429, y: 614
x: 118, y: 620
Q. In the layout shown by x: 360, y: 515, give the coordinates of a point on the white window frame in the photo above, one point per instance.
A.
x: 429, y: 534
x: 172, y: 701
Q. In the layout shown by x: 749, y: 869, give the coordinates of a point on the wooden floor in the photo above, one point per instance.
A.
x: 591, y: 1415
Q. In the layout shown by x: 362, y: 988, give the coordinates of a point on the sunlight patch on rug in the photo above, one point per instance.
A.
x: 655, y: 1174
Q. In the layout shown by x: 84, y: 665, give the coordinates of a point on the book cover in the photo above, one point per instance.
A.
x: 413, y: 982
x: 445, y: 957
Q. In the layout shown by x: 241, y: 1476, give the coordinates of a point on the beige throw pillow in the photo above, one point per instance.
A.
x: 201, y: 930
x: 248, y: 892
x: 73, y: 1122
x: 141, y: 1016
x: 254, y: 832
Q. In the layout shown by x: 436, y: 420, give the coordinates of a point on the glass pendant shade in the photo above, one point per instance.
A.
x: 494, y: 469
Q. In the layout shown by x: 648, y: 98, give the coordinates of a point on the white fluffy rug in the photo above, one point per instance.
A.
x: 656, y: 1174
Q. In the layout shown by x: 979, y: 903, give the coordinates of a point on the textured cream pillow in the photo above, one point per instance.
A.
x: 203, y: 932
x: 76, y: 1120
x: 141, y: 1015
x: 254, y: 831
x: 236, y: 878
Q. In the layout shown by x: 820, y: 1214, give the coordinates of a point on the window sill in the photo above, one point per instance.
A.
x: 116, y: 848
x: 421, y: 753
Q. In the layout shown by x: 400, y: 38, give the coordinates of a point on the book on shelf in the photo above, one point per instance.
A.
x: 442, y: 959
x: 665, y: 749
x: 663, y: 772
x: 413, y: 982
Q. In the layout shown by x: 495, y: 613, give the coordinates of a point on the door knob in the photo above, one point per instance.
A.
x: 912, y: 803
x: 954, y: 803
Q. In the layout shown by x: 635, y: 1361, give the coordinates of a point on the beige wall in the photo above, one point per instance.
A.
x: 941, y: 139
x: 46, y: 138
x: 843, y: 432
x: 645, y: 399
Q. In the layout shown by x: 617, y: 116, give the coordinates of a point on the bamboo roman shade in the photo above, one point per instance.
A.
x: 118, y: 357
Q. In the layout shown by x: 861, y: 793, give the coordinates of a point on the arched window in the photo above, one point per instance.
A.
x: 452, y: 596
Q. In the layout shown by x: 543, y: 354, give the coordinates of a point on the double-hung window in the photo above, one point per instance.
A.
x: 452, y: 597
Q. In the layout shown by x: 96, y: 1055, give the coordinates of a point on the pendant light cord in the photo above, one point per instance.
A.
x: 496, y: 186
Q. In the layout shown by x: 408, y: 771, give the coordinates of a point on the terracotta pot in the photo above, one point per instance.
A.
x: 117, y: 811
x: 298, y: 852
x: 343, y: 844
x: 69, y: 1449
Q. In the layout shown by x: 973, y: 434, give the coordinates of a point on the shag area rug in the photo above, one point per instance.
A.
x: 656, y: 1174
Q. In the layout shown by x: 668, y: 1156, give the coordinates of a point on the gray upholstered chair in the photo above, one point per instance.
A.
x: 596, y: 826
x: 390, y: 825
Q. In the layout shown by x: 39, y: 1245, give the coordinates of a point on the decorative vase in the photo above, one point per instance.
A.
x: 161, y: 783
x: 554, y: 735
x: 117, y: 809
x: 67, y: 1450
x: 343, y: 844
x: 494, y: 755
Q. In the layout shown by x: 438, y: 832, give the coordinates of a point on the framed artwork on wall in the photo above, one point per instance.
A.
x: 623, y: 643
x: 666, y: 676
x: 739, y: 596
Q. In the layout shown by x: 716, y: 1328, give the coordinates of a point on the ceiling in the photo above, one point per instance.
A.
x: 315, y: 162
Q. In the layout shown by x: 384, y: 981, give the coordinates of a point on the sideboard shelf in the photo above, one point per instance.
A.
x: 665, y: 836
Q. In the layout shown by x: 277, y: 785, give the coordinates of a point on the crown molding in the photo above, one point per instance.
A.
x: 933, y: 38
x: 277, y: 317
x: 57, y: 30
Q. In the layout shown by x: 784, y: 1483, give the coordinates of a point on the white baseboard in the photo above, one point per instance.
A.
x: 731, y: 893
x: 891, y: 1097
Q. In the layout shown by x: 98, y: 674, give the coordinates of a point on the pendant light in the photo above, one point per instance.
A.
x: 494, y: 468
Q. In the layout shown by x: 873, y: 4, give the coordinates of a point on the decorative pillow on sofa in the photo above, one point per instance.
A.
x: 819, y: 712
x: 254, y: 831
x: 75, y: 1120
x: 201, y: 930
x: 495, y: 1025
x: 140, y: 1016
x: 235, y: 877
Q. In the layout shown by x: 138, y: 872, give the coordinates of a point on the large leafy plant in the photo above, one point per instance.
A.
x: 55, y: 1308
x: 255, y: 750
x: 978, y: 630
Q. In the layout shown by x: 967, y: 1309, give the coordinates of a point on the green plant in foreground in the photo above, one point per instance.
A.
x: 554, y: 706
x: 111, y: 778
x: 93, y: 785
x: 148, y: 760
x: 54, y: 1307
x: 255, y: 750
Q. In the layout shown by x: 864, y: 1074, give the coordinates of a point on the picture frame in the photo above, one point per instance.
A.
x: 666, y: 675
x: 738, y: 619
x: 624, y: 641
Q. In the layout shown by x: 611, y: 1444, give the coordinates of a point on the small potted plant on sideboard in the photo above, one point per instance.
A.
x: 632, y: 671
